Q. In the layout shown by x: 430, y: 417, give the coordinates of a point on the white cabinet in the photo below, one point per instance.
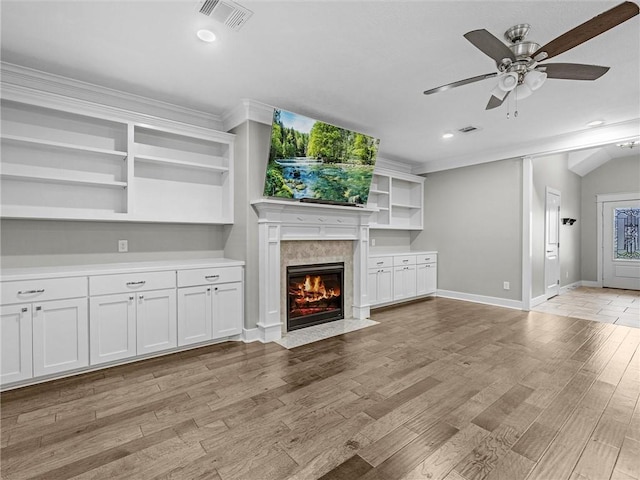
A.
x: 426, y: 275
x: 404, y: 282
x: 112, y: 327
x: 15, y: 343
x: 213, y: 308
x: 194, y: 315
x: 398, y: 199
x: 60, y: 336
x: 401, y: 277
x: 69, y: 159
x: 138, y: 322
x: 44, y: 327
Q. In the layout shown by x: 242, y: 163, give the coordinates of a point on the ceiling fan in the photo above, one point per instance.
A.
x: 518, y: 64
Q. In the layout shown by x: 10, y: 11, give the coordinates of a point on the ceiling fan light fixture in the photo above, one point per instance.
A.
x: 535, y: 79
x: 206, y: 36
x: 508, y: 81
x: 447, y: 135
x: 523, y: 91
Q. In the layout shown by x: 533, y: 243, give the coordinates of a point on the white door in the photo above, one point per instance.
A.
x: 60, y: 336
x: 621, y: 252
x: 15, y: 343
x: 228, y: 306
x: 112, y: 333
x: 552, y: 243
x: 156, y: 323
x: 194, y: 315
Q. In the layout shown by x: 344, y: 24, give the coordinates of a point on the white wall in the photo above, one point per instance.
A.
x: 552, y: 171
x: 472, y: 216
x: 620, y: 175
x: 389, y: 241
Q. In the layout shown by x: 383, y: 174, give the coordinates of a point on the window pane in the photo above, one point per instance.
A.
x: 625, y: 233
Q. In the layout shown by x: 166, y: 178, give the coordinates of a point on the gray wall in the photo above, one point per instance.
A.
x: 552, y: 171
x: 472, y: 216
x: 389, y: 241
x: 250, y: 159
x: 620, y: 175
x: 28, y: 243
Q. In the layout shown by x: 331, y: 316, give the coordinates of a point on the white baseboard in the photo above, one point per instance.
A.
x: 571, y: 286
x: 538, y: 300
x: 590, y: 283
x: 470, y: 297
x: 250, y: 335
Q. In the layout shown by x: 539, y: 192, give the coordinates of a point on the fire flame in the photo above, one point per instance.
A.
x: 313, y: 290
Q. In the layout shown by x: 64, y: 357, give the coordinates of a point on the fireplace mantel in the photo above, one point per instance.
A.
x: 280, y: 220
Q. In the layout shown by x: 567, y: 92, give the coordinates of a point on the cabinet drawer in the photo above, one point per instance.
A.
x: 131, y: 282
x: 208, y: 276
x: 39, y: 290
x: 404, y: 260
x: 427, y: 258
x: 379, y: 262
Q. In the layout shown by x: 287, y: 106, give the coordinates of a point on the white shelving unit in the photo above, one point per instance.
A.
x: 398, y: 198
x: 70, y: 159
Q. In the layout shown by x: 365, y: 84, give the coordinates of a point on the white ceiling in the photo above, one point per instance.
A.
x: 358, y: 64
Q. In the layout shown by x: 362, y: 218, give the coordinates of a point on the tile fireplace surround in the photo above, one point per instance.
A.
x: 290, y: 221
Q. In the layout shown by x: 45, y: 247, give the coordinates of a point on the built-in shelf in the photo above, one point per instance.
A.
x: 120, y: 169
x: 51, y: 175
x: 398, y: 199
x: 18, y: 140
x: 180, y: 163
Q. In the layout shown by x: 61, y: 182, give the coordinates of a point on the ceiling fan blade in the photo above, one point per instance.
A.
x: 589, y: 29
x: 573, y: 71
x: 490, y: 45
x: 495, y: 102
x: 459, y: 83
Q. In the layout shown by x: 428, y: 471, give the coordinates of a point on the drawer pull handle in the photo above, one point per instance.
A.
x: 427, y: 258
x: 322, y: 219
x: 209, y: 289
x: 141, y: 297
x: 132, y: 284
x: 379, y: 263
x: 28, y: 292
x: 405, y: 261
x: 211, y: 277
x: 131, y: 297
x: 24, y: 310
x: 339, y: 220
x: 38, y: 308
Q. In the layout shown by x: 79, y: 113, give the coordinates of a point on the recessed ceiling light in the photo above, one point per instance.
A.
x: 447, y: 135
x: 206, y: 35
x: 595, y: 123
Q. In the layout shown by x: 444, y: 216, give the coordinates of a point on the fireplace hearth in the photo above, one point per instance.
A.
x: 315, y: 294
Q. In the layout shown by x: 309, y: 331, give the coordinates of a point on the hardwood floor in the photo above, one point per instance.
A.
x: 440, y: 389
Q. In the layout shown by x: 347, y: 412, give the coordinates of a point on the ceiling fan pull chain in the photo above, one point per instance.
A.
x: 515, y: 113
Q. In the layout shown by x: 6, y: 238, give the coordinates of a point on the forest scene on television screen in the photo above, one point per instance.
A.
x: 327, y: 162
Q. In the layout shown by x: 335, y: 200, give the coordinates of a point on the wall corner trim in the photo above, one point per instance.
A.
x: 247, y: 110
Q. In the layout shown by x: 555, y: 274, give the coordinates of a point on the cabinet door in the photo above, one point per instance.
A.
x: 373, y: 286
x: 398, y: 283
x: 156, y: 321
x: 404, y: 282
x: 426, y: 279
x: 228, y: 309
x: 385, y: 285
x: 60, y: 336
x: 410, y: 281
x: 15, y: 343
x: 112, y: 327
x: 194, y: 315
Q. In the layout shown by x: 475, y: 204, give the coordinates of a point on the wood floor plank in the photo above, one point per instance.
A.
x: 439, y: 389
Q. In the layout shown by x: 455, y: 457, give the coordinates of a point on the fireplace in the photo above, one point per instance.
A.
x: 315, y: 294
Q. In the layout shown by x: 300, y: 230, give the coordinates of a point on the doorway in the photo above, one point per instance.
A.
x: 552, y: 243
x: 620, y: 243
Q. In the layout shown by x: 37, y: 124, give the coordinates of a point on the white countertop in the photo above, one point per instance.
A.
x: 32, y: 273
x: 394, y: 254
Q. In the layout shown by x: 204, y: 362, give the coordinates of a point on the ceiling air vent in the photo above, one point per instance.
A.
x: 230, y: 13
x: 468, y: 129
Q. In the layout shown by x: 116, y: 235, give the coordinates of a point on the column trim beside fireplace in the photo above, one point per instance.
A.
x: 280, y: 220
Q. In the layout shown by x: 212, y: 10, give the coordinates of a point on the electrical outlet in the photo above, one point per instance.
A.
x: 373, y: 242
x: 123, y: 246
x: 506, y: 285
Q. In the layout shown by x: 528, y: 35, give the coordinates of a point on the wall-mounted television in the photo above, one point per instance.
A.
x: 313, y: 160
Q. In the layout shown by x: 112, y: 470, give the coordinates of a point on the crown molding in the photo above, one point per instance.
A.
x: 247, y: 110
x: 67, y: 87
x: 393, y: 165
x: 587, y: 138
